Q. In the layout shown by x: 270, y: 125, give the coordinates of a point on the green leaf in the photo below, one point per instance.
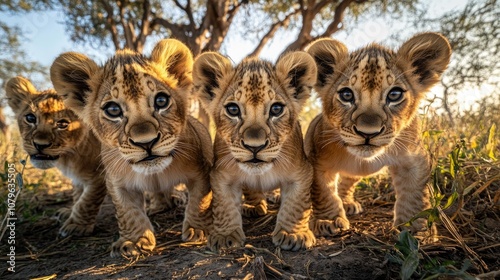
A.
x: 491, y: 142
x: 20, y: 181
x: 451, y: 199
x: 409, y: 266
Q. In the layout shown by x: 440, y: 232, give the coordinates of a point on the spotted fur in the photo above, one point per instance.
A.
x: 370, y: 100
x: 53, y: 136
x: 258, y: 144
x: 138, y: 108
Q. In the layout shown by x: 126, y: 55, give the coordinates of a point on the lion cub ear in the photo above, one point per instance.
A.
x: 176, y: 59
x: 19, y: 91
x: 298, y: 71
x: 209, y: 70
x: 329, y: 55
x: 428, y: 55
x: 71, y: 74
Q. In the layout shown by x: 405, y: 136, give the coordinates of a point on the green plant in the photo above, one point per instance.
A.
x: 406, y: 253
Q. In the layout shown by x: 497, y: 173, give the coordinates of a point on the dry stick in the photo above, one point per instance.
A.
x: 452, y: 229
x: 489, y: 275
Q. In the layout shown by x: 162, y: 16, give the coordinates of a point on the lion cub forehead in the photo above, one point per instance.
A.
x: 133, y: 76
x: 372, y: 69
x: 255, y: 83
x: 49, y: 103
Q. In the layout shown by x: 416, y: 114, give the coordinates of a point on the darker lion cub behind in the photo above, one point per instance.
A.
x: 53, y: 136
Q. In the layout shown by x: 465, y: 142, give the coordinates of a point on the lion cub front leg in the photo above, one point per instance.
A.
x: 83, y: 214
x: 136, y: 232
x: 228, y: 225
x: 292, y: 226
x: 255, y: 204
x: 198, y: 213
x: 165, y: 200
x: 346, y: 187
x: 412, y: 193
x: 329, y: 216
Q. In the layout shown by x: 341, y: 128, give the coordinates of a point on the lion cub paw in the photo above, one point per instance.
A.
x: 62, y: 214
x: 352, y: 207
x: 216, y: 241
x: 190, y: 234
x: 126, y: 248
x: 252, y: 211
x: 70, y: 227
x: 329, y: 227
x: 294, y: 241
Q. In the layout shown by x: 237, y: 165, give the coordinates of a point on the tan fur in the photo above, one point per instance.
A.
x: 358, y: 137
x: 152, y: 145
x: 73, y: 148
x: 273, y: 142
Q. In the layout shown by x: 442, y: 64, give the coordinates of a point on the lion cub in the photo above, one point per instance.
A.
x: 138, y: 108
x: 258, y: 143
x: 370, y: 100
x: 53, y: 136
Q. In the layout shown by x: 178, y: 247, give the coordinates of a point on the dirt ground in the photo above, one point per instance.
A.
x: 360, y: 253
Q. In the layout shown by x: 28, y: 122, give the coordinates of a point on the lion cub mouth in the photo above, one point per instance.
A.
x: 149, y: 158
x: 43, y: 157
x: 255, y: 160
x: 152, y: 164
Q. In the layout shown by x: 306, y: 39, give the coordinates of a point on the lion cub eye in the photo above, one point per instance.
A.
x: 233, y: 110
x: 395, y: 94
x: 62, y: 124
x: 346, y: 95
x: 162, y: 100
x: 30, y: 118
x: 112, y: 110
x: 276, y: 109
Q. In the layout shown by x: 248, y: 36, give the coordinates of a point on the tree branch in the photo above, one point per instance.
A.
x: 126, y: 28
x: 270, y: 34
x: 112, y: 24
x: 144, y: 32
x: 338, y: 17
x: 189, y: 12
x: 175, y: 29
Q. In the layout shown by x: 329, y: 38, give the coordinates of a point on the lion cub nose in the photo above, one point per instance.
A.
x: 255, y: 149
x: 368, y: 126
x: 144, y: 135
x: 40, y: 147
x: 42, y: 140
x: 254, y: 139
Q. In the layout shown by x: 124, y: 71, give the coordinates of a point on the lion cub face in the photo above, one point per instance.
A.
x: 136, y: 105
x: 371, y: 95
x: 48, y: 129
x: 255, y: 105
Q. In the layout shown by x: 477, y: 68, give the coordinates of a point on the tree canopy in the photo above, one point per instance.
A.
x: 204, y: 24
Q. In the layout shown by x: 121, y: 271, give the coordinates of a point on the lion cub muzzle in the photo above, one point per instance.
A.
x: 368, y: 126
x: 254, y: 140
x: 144, y: 136
x: 42, y: 141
